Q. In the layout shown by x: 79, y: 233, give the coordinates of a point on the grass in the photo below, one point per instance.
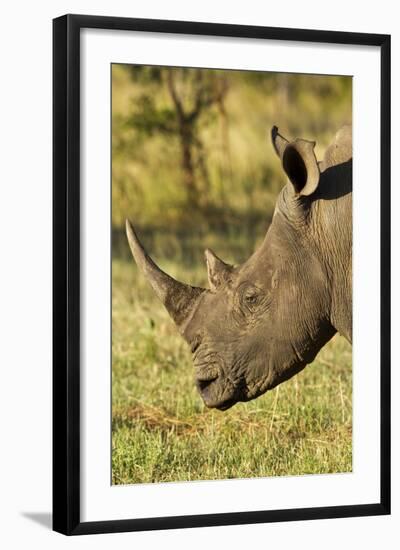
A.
x: 161, y: 430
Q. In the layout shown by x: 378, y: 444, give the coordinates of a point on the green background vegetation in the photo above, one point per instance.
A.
x: 193, y: 167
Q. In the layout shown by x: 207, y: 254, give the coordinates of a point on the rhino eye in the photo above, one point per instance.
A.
x: 251, y: 298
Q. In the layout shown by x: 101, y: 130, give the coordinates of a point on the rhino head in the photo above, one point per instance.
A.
x: 260, y: 323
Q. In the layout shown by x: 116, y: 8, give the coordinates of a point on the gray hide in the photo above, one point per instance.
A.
x: 260, y: 323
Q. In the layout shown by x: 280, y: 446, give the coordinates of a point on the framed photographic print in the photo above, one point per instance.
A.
x: 221, y: 274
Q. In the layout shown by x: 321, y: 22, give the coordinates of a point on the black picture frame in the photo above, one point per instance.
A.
x: 66, y: 273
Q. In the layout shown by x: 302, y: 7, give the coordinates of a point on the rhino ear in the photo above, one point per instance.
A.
x: 279, y: 142
x: 299, y: 162
x: 217, y: 270
x: 301, y: 166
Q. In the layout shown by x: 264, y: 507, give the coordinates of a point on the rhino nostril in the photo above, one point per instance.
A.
x: 205, y: 377
x: 204, y: 384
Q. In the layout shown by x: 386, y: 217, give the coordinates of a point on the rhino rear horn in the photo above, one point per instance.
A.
x: 299, y: 162
x: 217, y: 270
x: 179, y: 299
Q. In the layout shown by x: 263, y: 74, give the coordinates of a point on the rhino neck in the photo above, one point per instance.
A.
x: 331, y: 229
x: 302, y: 297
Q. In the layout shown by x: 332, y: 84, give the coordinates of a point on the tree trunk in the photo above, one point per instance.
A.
x: 189, y: 178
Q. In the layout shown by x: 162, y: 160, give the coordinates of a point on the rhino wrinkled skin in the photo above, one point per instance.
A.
x: 262, y: 322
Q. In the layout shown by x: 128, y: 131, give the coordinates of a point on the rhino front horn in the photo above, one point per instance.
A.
x: 179, y: 299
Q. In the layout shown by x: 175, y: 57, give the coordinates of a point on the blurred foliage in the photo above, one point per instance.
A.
x: 220, y: 120
x: 193, y: 167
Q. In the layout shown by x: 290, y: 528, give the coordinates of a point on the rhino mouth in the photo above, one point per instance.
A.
x: 211, y: 395
x: 226, y: 404
x: 214, y: 390
x: 207, y: 384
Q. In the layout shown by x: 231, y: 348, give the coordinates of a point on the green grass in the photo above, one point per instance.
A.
x: 161, y: 430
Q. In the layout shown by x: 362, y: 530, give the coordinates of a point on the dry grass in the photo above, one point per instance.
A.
x: 163, y: 432
x: 161, y: 429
